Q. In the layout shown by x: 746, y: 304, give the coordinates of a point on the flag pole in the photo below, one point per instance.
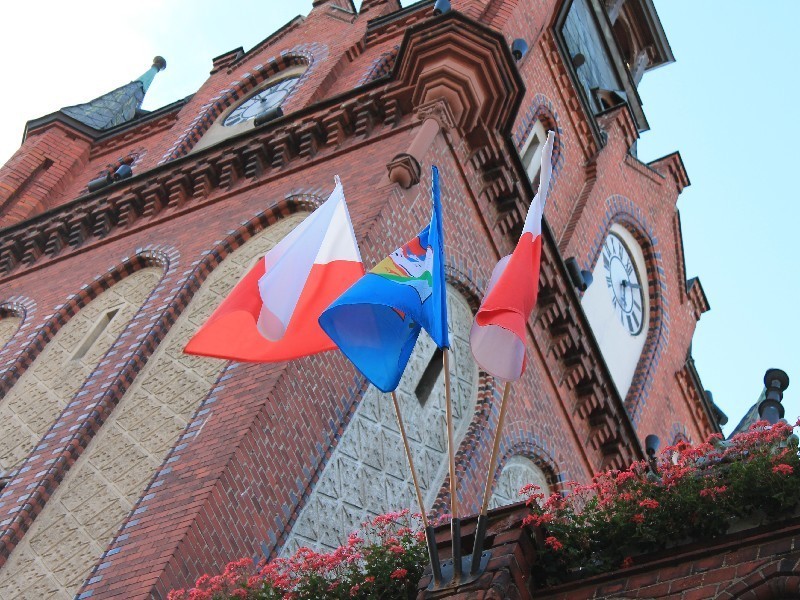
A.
x: 433, y: 552
x: 455, y: 523
x: 480, y: 530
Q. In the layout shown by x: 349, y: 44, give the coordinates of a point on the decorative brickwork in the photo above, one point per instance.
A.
x: 101, y: 489
x: 304, y: 54
x: 752, y: 563
x: 517, y: 472
x: 32, y: 405
x: 160, y: 466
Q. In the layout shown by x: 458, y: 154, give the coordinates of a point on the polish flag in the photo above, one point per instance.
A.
x: 272, y: 314
x: 498, y: 333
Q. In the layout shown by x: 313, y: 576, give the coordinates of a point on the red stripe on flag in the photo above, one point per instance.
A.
x: 231, y: 331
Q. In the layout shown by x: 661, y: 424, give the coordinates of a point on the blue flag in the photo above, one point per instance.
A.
x: 377, y: 321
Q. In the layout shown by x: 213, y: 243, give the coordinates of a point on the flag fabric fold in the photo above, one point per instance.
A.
x: 498, y: 335
x: 271, y: 315
x: 377, y: 321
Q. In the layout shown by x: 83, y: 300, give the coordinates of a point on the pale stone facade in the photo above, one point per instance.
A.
x: 70, y: 534
x: 49, y: 384
x: 8, y: 327
x: 367, y: 473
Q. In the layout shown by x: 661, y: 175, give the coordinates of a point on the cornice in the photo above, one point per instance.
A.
x: 319, y: 129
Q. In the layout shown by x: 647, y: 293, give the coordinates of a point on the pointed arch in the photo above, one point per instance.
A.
x: 89, y: 325
x: 620, y: 210
x: 307, y: 55
x: 101, y: 489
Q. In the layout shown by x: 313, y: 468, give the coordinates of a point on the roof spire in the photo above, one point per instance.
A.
x: 159, y: 64
x: 117, y: 106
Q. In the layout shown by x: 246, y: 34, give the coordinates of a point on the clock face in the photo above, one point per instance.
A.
x: 256, y: 104
x: 622, y: 280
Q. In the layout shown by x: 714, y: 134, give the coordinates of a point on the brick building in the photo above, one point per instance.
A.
x: 129, y: 468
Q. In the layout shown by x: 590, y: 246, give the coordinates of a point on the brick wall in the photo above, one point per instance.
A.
x: 185, y: 212
x: 758, y: 563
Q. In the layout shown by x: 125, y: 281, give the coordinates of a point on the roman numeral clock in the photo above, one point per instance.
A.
x: 623, y: 284
x: 617, y: 304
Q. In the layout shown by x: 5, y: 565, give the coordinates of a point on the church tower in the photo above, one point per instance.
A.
x: 128, y: 468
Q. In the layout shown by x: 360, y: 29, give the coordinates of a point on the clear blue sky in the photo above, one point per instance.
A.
x: 726, y: 104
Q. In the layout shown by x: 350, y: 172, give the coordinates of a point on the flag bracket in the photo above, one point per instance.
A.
x: 448, y: 571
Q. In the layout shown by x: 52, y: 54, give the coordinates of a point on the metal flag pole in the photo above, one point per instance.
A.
x: 455, y: 523
x: 480, y: 530
x: 433, y: 552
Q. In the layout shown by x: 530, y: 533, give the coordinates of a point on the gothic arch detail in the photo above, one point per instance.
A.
x: 517, y: 471
x: 623, y: 211
x: 160, y: 257
x: 367, y: 473
x: 381, y: 66
x: 102, y: 487
x: 308, y: 55
x: 541, y: 109
x: 777, y: 580
x: 66, y: 361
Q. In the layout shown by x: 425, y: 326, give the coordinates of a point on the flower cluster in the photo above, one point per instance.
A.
x: 384, y: 559
x: 689, y: 493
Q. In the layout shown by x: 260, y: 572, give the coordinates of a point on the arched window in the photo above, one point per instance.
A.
x: 240, y: 116
x: 50, y: 383
x: 98, y: 492
x: 617, y: 304
x: 517, y: 472
x: 532, y: 153
x: 367, y: 473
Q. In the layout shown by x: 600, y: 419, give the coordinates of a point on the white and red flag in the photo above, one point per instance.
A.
x: 271, y: 315
x: 498, y: 334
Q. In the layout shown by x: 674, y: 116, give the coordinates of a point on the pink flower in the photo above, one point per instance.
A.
x: 783, y: 469
x: 354, y: 589
x: 648, y: 503
x: 638, y: 518
x: 398, y: 574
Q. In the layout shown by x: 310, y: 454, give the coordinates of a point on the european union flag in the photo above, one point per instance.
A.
x: 377, y: 321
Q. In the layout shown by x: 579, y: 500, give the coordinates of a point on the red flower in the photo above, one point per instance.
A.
x: 354, y: 589
x: 399, y: 574
x: 783, y: 469
x: 628, y: 562
x: 638, y: 518
x: 553, y: 543
x: 649, y: 503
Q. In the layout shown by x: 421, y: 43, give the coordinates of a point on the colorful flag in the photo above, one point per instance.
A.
x: 498, y: 334
x: 377, y: 321
x: 271, y: 315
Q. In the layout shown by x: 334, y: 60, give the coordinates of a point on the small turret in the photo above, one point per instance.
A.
x: 117, y: 106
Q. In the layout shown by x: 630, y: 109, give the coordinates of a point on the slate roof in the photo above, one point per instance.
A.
x: 117, y: 106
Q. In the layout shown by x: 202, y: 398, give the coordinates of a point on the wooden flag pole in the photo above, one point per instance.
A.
x: 409, y: 458
x: 433, y: 552
x: 455, y: 523
x: 480, y: 531
x: 450, y: 441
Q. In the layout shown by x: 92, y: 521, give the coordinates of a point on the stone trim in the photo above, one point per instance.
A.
x: 623, y: 211
x: 303, y: 54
